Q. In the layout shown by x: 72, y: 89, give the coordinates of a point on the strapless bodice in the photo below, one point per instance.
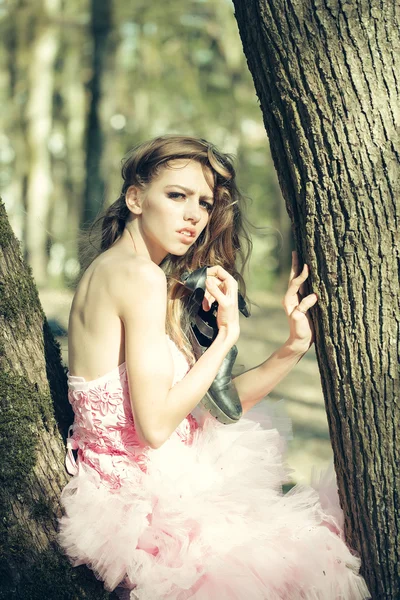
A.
x: 103, y: 420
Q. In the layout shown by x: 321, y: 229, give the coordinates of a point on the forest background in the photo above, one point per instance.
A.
x: 81, y: 83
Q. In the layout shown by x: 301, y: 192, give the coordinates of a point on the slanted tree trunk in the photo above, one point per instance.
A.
x: 327, y: 77
x: 34, y: 418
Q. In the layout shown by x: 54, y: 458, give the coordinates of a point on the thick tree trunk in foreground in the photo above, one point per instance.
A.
x: 34, y: 417
x: 327, y: 77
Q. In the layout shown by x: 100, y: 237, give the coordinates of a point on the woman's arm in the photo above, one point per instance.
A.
x: 185, y: 395
x: 140, y: 293
x: 254, y: 384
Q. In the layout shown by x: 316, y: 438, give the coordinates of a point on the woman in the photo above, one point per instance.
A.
x: 166, y: 502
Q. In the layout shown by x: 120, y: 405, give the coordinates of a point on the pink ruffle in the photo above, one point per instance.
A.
x: 208, y: 520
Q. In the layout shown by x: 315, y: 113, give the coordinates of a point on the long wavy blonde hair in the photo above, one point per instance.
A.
x: 224, y: 241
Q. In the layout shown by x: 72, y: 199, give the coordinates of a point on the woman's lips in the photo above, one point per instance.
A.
x: 186, y: 238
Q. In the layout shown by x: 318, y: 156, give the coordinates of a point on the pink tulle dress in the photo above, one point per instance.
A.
x: 203, y: 516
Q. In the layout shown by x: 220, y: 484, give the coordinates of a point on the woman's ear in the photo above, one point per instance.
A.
x: 133, y: 200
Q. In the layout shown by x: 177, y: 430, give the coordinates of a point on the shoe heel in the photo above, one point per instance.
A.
x: 215, y: 411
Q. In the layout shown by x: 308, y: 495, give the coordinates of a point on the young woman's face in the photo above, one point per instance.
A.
x: 178, y: 198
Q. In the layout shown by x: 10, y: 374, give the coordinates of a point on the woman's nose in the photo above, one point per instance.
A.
x: 192, y: 211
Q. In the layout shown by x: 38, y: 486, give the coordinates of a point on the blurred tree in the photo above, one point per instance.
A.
x: 327, y: 80
x: 42, y: 49
x: 100, y: 30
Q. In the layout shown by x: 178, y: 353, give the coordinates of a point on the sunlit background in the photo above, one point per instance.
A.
x: 81, y: 83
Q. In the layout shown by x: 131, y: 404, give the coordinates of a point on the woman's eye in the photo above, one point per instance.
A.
x: 175, y: 194
x: 208, y: 205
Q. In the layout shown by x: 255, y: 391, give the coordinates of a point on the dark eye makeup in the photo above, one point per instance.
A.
x: 176, y: 194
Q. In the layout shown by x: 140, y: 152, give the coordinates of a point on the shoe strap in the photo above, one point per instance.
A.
x: 205, y: 329
x: 195, y: 279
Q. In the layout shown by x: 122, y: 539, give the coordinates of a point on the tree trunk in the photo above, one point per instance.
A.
x: 39, y: 115
x: 101, y: 25
x: 34, y: 419
x: 326, y: 75
x: 69, y: 123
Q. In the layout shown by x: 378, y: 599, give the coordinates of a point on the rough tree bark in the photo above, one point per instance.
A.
x: 34, y: 418
x: 327, y: 77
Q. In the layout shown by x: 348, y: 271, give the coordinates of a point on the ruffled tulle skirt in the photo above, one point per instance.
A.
x: 208, y: 521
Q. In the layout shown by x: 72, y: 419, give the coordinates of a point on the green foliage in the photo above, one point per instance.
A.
x: 188, y: 74
x: 175, y: 67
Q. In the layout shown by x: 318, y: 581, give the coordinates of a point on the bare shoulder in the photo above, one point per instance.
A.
x: 133, y: 277
x: 135, y: 271
x: 143, y: 267
x: 123, y: 269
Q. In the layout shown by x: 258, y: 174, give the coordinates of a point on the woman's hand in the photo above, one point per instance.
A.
x: 296, y: 306
x: 208, y: 297
x: 223, y: 288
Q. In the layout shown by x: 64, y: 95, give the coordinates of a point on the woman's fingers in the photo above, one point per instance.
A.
x: 221, y: 284
x: 297, y: 275
x: 296, y: 291
x: 217, y: 270
x: 207, y: 300
x: 295, y: 265
x: 306, y: 304
x: 224, y: 280
x: 217, y: 276
x: 296, y: 283
x: 215, y: 290
x: 224, y: 288
x: 218, y: 282
x: 220, y: 273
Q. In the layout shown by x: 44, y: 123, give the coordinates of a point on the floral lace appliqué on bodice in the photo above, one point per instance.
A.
x: 104, y: 427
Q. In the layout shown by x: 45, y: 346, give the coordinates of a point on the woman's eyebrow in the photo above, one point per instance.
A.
x: 189, y: 191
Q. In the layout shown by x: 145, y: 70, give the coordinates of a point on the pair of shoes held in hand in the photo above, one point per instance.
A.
x: 221, y: 400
